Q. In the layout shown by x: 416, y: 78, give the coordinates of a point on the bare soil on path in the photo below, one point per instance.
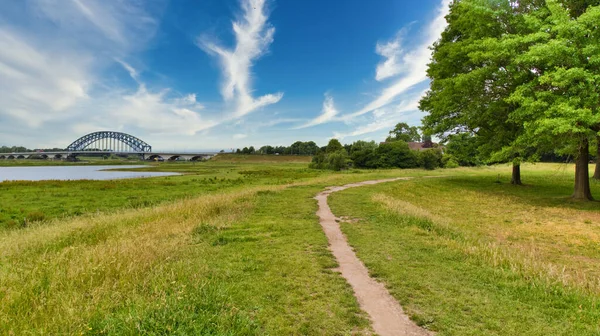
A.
x: 386, y: 314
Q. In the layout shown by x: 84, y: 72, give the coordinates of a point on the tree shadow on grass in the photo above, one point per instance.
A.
x: 543, y: 191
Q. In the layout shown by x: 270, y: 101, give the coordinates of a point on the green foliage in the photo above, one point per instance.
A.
x: 473, y: 74
x: 318, y: 161
x: 334, y: 145
x: 333, y: 161
x: 560, y: 105
x: 403, y: 132
x: 464, y: 149
x: 266, y: 150
x: 449, y: 161
x: 363, y: 154
x: 396, y: 154
x: 297, y: 148
x: 430, y: 159
x: 521, y: 76
x: 337, y: 160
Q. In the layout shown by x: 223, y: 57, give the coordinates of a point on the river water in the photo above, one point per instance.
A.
x: 72, y: 173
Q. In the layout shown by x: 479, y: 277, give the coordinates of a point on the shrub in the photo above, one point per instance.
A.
x: 396, y: 154
x: 333, y: 146
x: 449, y: 161
x: 338, y: 160
x: 430, y: 159
x: 334, y: 161
x: 318, y: 161
x: 364, y: 158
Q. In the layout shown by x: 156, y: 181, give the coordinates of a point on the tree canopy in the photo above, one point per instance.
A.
x: 522, y: 77
x: 404, y: 132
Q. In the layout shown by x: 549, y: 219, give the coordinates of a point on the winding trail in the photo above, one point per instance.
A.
x: 385, y: 312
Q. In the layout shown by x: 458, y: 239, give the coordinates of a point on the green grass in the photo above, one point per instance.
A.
x: 250, y: 261
x: 233, y: 247
x: 229, y: 265
x: 24, y: 202
x: 466, y: 255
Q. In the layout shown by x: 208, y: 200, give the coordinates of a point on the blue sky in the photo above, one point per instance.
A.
x: 213, y: 74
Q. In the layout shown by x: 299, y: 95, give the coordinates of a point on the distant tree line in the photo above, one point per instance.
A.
x: 297, y: 148
x: 21, y: 149
x: 395, y: 152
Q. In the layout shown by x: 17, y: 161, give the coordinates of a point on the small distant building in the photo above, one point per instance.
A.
x: 418, y: 146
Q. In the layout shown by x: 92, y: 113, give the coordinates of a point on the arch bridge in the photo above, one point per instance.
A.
x: 105, y: 143
x: 108, y: 140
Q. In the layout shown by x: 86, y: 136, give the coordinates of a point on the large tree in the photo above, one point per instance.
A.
x: 561, y: 104
x: 473, y: 74
x: 404, y: 132
x: 333, y: 146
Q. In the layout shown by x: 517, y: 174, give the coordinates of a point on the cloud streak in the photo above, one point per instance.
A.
x: 328, y: 113
x: 119, y: 25
x: 386, y: 117
x: 56, y: 82
x: 253, y: 35
x: 410, y: 65
x: 392, y: 52
x: 33, y: 81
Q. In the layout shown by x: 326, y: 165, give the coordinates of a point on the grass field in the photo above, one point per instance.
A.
x: 233, y: 247
x: 27, y: 202
x: 468, y: 256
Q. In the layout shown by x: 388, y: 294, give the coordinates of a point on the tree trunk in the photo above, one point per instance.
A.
x: 582, y: 174
x: 597, y: 170
x: 516, y: 174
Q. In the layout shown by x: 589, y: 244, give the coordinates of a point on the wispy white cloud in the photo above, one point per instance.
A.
x: 156, y: 113
x: 392, y: 52
x: 115, y: 24
x: 253, y: 35
x: 37, y: 86
x: 386, y: 117
x: 57, y: 82
x: 328, y: 113
x: 278, y: 121
x: 411, y: 65
x: 240, y: 136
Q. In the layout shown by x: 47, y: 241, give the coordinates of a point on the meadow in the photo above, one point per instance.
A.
x: 233, y: 247
x: 470, y: 254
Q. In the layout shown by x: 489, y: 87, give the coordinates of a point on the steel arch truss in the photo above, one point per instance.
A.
x: 134, y: 143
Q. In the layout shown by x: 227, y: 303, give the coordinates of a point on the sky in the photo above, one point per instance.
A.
x: 213, y: 74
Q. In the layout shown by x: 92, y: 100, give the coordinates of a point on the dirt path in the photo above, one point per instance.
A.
x: 385, y: 312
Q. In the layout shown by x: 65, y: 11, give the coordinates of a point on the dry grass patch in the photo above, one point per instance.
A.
x: 561, y: 241
x: 56, y: 278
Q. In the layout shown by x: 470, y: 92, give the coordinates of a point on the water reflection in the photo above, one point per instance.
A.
x: 72, y: 173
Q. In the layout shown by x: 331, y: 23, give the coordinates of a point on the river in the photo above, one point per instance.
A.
x: 64, y: 173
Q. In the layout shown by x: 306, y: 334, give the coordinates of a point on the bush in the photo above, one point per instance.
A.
x: 364, y: 158
x: 449, y: 161
x: 333, y: 146
x: 363, y: 154
x: 318, y: 161
x: 430, y: 159
x: 334, y: 161
x: 396, y: 154
x: 338, y: 160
